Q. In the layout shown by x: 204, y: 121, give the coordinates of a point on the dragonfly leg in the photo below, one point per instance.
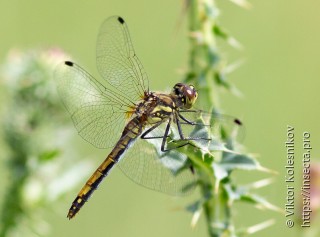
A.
x: 164, y: 147
x: 144, y: 135
x: 186, y: 120
x: 179, y: 129
x: 164, y: 137
x: 164, y: 140
x: 190, y: 122
x: 176, y: 147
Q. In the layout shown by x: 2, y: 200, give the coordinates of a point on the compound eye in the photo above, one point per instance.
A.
x: 177, y: 91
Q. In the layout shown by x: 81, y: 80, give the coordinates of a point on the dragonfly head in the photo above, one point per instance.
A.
x: 186, y: 95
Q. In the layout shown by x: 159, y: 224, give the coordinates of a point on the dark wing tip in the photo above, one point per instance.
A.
x: 68, y: 63
x: 120, y: 19
x: 237, y: 121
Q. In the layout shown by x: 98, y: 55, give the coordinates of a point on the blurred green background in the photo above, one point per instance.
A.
x: 279, y: 81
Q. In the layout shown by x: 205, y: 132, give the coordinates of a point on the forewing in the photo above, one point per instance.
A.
x: 97, y: 112
x: 116, y: 60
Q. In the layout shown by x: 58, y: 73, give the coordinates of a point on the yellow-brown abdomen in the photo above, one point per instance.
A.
x: 130, y: 133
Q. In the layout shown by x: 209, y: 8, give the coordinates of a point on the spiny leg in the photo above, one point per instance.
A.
x: 179, y: 129
x: 163, y: 137
x: 190, y: 122
x: 186, y: 120
x: 143, y: 136
x: 164, y: 140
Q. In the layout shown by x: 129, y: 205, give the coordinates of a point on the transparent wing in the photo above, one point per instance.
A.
x: 117, y: 61
x: 97, y: 112
x: 167, y: 172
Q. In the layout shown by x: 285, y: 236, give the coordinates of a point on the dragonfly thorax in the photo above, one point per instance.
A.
x: 155, y: 107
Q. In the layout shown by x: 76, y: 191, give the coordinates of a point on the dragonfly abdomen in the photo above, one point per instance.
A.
x: 130, y: 133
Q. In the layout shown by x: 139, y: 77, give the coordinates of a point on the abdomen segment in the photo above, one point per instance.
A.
x: 130, y: 133
x: 91, y: 185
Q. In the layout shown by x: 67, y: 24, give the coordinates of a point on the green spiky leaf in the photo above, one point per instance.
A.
x: 233, y: 161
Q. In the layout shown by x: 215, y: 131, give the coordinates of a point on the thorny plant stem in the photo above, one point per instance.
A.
x: 203, y: 62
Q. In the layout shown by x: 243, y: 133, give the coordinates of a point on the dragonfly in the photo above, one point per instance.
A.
x: 143, y: 129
